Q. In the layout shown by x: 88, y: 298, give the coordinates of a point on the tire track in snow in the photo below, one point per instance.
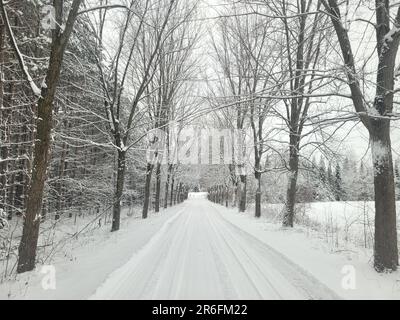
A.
x: 262, y: 285
x: 299, y: 278
x: 113, y: 287
x: 199, y: 254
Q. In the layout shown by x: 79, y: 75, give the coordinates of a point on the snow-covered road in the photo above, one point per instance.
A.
x: 199, y: 254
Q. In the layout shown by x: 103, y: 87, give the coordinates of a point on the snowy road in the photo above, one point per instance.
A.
x: 199, y: 254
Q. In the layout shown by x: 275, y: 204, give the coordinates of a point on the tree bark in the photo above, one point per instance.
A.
x: 147, y: 186
x: 158, y: 188
x: 377, y: 122
x: 171, y: 200
x: 119, y: 190
x: 30, y: 234
x: 167, y: 183
x: 243, y: 193
x: 258, y: 196
x: 41, y: 153
x: 288, y: 217
x: 385, y: 245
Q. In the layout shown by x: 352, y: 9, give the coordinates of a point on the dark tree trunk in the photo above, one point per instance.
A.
x: 288, y: 217
x: 242, y: 193
x: 176, y: 194
x: 27, y: 248
x: 385, y: 247
x: 166, y: 194
x: 41, y: 153
x: 179, y: 192
x: 171, y: 200
x: 119, y: 190
x: 258, y: 196
x: 147, y: 186
x: 385, y: 243
x: 158, y: 188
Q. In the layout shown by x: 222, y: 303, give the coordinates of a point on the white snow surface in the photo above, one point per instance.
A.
x: 197, y: 195
x: 200, y: 250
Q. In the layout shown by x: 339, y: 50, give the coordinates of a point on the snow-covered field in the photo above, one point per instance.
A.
x: 202, y: 250
x: 342, y: 224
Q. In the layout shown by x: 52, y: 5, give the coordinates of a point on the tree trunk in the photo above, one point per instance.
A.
x: 385, y: 246
x: 171, y: 200
x: 158, y: 188
x: 243, y: 193
x: 119, y: 190
x: 288, y: 217
x: 147, y: 186
x: 41, y: 153
x: 258, y: 196
x: 169, y: 176
x: 179, y: 192
x: 30, y: 234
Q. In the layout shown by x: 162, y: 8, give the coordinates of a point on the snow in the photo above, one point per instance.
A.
x: 200, y: 250
x: 379, y: 155
x: 309, y: 252
x: 95, y: 256
x: 197, y: 195
x: 200, y: 255
x: 389, y: 36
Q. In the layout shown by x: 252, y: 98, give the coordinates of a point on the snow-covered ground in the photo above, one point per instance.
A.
x: 200, y: 254
x: 343, y: 224
x: 88, y: 260
x: 346, y: 270
x: 197, y: 195
x: 202, y: 250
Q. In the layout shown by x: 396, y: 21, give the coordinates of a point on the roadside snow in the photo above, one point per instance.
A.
x: 80, y: 273
x: 202, y: 250
x: 310, y: 251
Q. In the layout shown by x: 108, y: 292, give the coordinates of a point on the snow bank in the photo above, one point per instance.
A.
x: 86, y: 267
x: 310, y: 251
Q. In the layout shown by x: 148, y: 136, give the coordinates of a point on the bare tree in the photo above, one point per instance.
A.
x: 376, y: 117
x: 172, y: 71
x: 46, y: 95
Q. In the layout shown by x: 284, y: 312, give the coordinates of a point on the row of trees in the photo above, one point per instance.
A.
x: 81, y: 85
x: 289, y: 70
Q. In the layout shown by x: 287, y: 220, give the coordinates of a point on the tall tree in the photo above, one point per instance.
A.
x: 46, y: 95
x: 376, y: 117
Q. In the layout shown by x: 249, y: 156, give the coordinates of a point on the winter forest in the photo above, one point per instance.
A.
x: 199, y: 149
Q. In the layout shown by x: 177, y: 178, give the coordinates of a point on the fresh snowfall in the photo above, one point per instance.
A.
x: 199, y: 150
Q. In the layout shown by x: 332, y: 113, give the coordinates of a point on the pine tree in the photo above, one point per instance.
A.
x: 338, y: 184
x: 363, y: 183
x: 331, y: 179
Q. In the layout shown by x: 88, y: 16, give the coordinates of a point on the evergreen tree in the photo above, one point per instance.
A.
x: 338, y: 184
x: 363, y: 183
x: 331, y: 179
